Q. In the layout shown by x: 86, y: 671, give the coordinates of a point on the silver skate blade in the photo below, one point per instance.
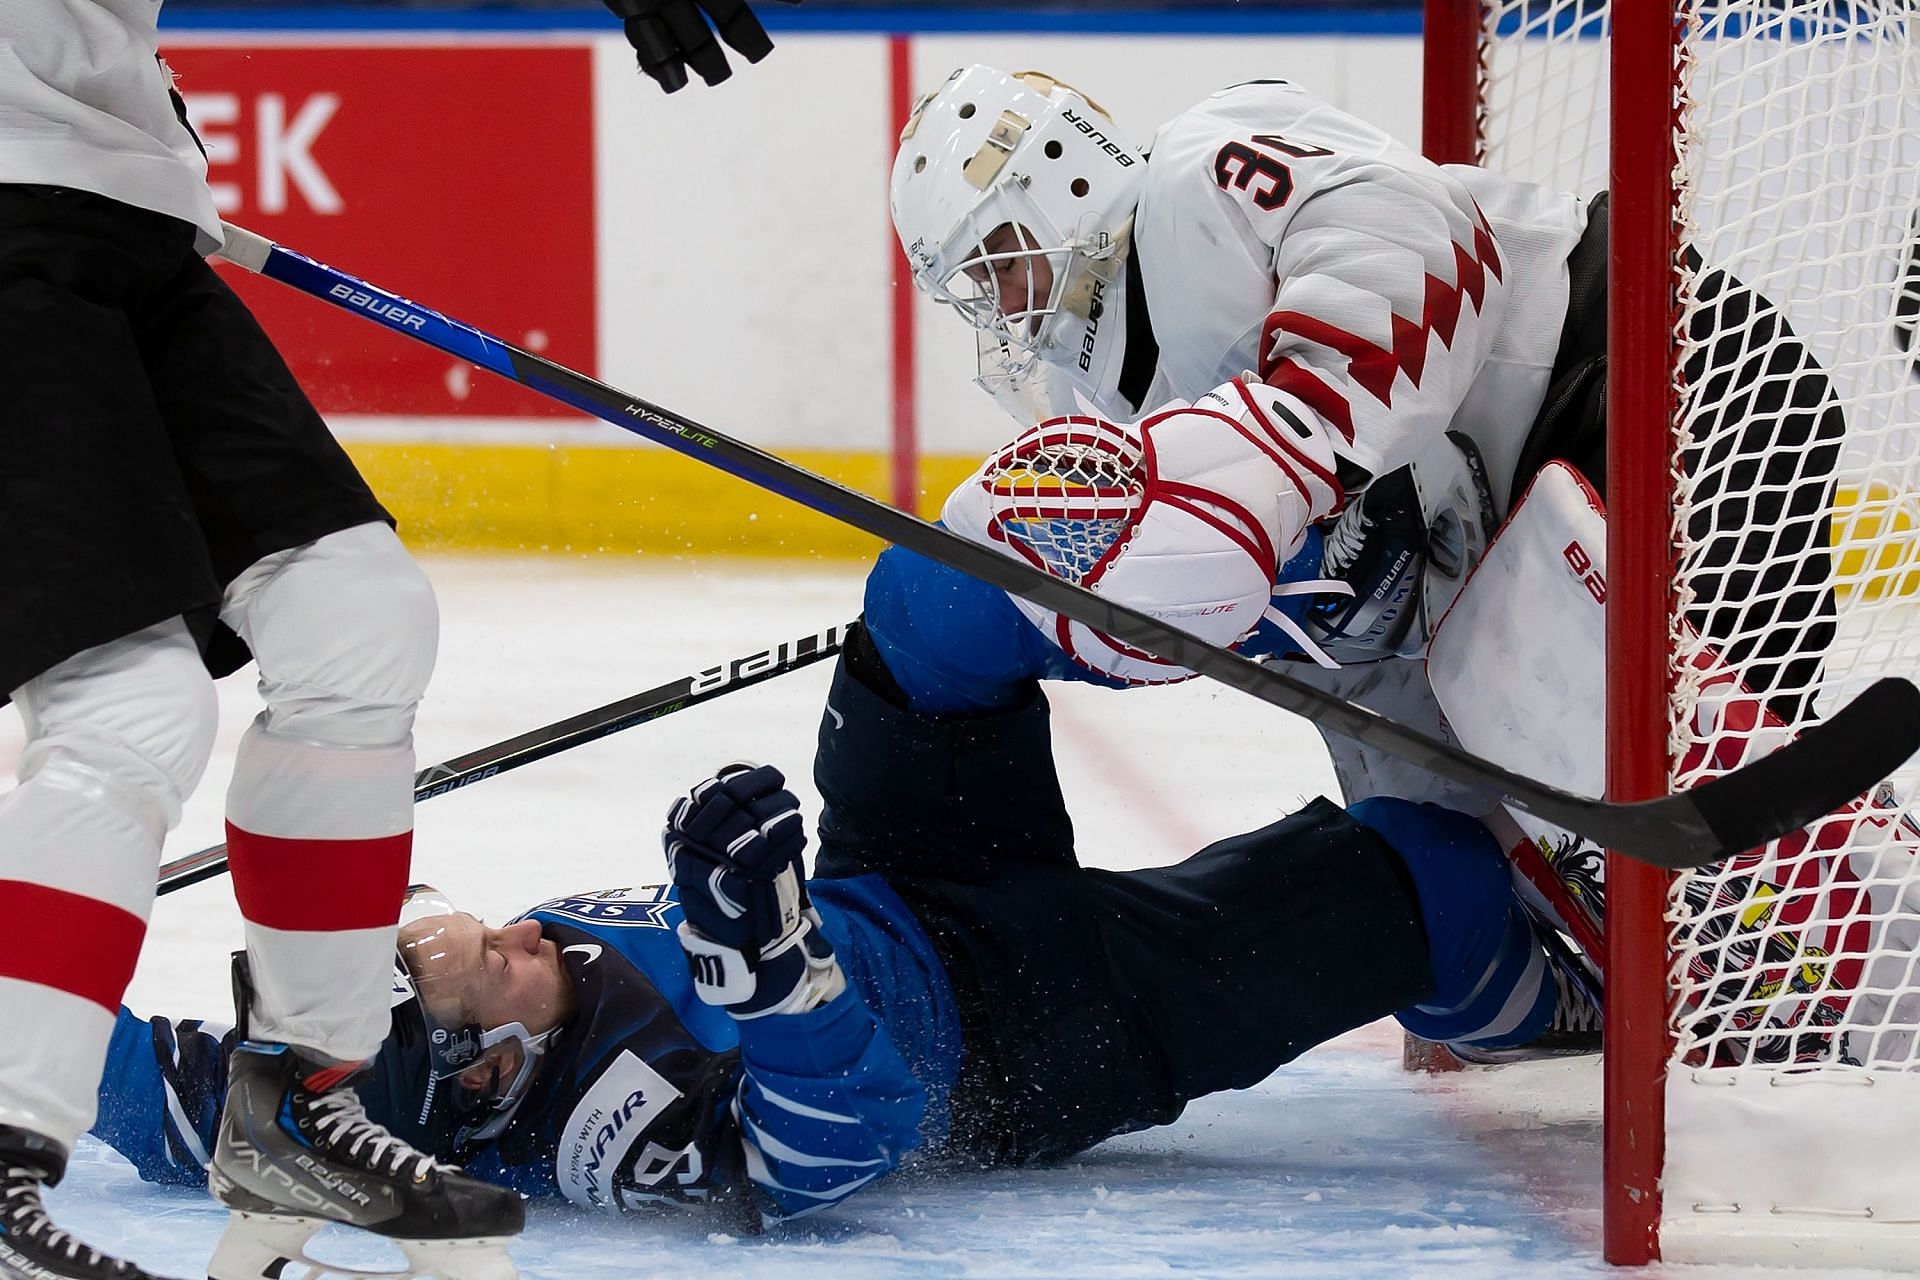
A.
x: 264, y: 1246
x: 258, y: 1246
x: 479, y: 1258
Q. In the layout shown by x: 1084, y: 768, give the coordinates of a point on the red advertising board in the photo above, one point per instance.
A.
x: 459, y: 175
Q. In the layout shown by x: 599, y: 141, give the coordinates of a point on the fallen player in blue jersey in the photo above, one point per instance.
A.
x: 951, y: 986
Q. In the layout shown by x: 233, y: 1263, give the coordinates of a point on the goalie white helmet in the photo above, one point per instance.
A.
x: 1012, y: 196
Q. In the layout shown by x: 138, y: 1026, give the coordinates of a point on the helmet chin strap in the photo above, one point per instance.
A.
x: 1089, y: 342
x: 532, y: 1049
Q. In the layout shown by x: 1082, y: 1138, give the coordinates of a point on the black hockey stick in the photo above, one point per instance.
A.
x: 1830, y: 764
x: 562, y: 735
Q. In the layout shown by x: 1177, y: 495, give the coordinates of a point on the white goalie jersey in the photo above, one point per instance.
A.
x: 1395, y: 297
x: 1397, y: 301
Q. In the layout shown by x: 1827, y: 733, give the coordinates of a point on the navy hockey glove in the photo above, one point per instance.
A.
x: 669, y: 36
x: 751, y: 935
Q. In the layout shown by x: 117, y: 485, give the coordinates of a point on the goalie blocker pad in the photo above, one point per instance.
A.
x: 1518, y: 667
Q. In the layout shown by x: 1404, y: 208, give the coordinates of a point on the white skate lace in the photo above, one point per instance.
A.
x: 1346, y: 539
x: 20, y: 1206
x: 339, y: 1118
x: 1573, y: 1011
x: 1293, y: 630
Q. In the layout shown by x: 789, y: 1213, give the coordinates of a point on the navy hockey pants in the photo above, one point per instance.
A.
x: 1097, y: 1002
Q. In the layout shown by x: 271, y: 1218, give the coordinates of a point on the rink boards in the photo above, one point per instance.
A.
x: 727, y: 253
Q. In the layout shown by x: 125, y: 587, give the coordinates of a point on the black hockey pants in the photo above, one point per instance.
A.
x: 1099, y: 1002
x: 154, y: 443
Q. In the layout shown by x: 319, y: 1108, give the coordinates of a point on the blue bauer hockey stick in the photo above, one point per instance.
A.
x: 1830, y: 763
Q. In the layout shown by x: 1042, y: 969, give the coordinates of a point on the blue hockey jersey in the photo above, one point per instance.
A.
x: 647, y: 1096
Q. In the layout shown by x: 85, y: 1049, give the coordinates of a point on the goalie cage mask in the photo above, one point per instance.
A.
x: 989, y: 150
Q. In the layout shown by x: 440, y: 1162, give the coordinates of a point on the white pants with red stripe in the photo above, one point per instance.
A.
x: 319, y: 816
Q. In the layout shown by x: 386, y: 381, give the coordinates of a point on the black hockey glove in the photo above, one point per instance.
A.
x: 671, y: 35
x: 752, y: 938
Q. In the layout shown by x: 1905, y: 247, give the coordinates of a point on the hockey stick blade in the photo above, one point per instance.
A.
x: 562, y: 735
x: 1746, y: 808
x: 1673, y: 831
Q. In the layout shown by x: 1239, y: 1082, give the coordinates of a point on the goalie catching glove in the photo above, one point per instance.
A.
x: 751, y: 935
x: 1186, y: 515
x: 668, y: 36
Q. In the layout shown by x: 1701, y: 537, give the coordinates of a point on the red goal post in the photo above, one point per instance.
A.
x: 1763, y: 1068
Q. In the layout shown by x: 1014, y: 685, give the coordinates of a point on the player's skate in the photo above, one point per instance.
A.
x: 1575, y: 1028
x: 31, y: 1246
x: 293, y: 1156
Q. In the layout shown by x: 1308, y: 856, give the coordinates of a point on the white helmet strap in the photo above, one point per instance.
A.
x: 1041, y: 82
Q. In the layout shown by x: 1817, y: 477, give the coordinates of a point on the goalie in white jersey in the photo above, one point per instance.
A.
x: 1409, y: 342
x: 1295, y: 377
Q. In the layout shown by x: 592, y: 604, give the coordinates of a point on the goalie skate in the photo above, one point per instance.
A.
x: 292, y: 1158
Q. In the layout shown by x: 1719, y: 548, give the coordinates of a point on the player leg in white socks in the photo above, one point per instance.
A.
x: 117, y: 738
x: 320, y: 810
x: 320, y: 833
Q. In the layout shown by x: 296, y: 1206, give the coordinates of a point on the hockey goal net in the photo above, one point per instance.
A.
x: 1763, y: 1068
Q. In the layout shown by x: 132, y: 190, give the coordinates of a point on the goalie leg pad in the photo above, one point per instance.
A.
x: 1776, y: 939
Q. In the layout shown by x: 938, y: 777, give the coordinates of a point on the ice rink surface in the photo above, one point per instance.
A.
x: 1339, y: 1166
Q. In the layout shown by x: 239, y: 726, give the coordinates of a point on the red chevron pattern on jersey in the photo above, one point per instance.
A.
x: 1374, y: 367
x: 1312, y: 390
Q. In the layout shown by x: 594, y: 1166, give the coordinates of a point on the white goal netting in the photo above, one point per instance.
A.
x: 1796, y: 460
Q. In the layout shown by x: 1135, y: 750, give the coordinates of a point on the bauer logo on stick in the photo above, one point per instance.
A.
x: 391, y: 312
x: 1831, y: 761
x: 767, y: 660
